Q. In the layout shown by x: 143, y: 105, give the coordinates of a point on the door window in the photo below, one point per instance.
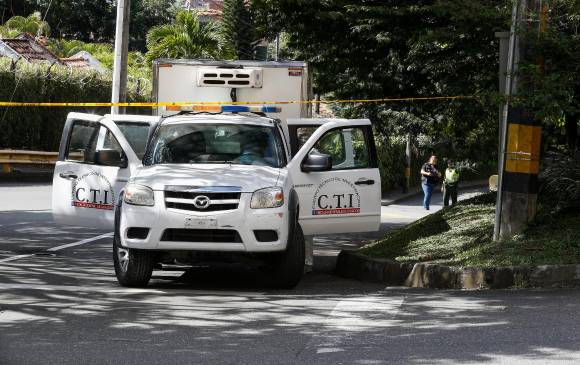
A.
x: 87, y: 139
x: 302, y: 135
x: 83, y: 142
x: 346, y: 146
x: 360, y: 149
x: 109, y: 142
x: 332, y: 144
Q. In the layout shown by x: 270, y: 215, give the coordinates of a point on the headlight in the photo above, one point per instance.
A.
x: 139, y: 195
x: 267, y: 198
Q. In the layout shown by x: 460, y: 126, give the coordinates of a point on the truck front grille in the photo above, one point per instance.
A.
x: 216, y: 201
x: 201, y: 235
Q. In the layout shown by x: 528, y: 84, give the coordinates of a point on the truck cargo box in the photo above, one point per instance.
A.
x: 230, y: 81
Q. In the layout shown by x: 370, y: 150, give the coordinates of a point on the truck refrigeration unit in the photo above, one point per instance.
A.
x: 201, y: 183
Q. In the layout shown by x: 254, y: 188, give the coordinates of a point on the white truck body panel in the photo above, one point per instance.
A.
x: 180, y: 81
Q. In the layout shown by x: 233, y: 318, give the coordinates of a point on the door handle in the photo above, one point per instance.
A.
x: 68, y: 175
x: 365, y: 182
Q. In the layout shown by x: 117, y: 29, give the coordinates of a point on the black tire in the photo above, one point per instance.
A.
x: 289, y: 265
x: 137, y: 270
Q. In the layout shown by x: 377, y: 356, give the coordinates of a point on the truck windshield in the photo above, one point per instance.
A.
x: 198, y: 143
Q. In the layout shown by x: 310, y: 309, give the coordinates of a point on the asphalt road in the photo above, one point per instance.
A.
x: 67, y: 308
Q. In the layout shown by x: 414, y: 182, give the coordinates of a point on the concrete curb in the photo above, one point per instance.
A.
x: 420, y: 275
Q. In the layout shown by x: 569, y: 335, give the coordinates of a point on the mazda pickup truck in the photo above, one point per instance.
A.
x: 201, y: 186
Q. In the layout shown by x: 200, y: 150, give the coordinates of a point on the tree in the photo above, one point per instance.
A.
x: 401, y: 48
x: 551, y: 88
x: 146, y: 14
x: 32, y: 24
x: 65, y: 48
x: 186, y: 37
x: 237, y: 29
x: 94, y: 21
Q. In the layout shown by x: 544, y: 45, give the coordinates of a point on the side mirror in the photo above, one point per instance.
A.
x: 316, y: 162
x: 110, y: 157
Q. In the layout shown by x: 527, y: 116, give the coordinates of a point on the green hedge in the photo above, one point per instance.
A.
x: 40, y: 128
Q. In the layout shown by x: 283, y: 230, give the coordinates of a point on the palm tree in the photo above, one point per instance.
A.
x: 32, y: 24
x: 65, y: 48
x: 186, y: 37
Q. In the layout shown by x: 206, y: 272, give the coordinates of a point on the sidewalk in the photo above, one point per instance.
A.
x: 394, y: 196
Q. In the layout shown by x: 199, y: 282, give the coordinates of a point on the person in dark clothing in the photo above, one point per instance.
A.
x: 430, y: 177
x: 450, y: 183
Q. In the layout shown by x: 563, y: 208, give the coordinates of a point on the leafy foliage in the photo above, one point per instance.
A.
x: 395, y: 48
x: 94, y: 21
x: 549, y: 74
x: 138, y: 66
x: 40, y: 128
x: 32, y: 24
x: 560, y: 182
x: 237, y: 29
x: 186, y: 37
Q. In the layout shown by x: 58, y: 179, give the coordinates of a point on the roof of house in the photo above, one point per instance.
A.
x: 76, y: 62
x: 211, y: 9
x: 83, y: 59
x: 26, y: 46
x: 210, y: 13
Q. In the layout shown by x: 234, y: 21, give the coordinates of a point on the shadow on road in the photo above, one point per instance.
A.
x: 215, y: 316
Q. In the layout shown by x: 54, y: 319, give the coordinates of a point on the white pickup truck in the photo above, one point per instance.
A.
x: 201, y: 184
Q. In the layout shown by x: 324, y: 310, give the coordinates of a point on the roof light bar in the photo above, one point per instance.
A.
x: 225, y: 108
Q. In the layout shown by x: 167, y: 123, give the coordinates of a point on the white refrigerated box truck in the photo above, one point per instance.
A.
x: 234, y: 81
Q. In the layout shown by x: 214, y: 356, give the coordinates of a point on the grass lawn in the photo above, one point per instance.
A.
x: 461, y: 236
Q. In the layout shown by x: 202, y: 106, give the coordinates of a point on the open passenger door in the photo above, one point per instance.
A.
x: 95, y: 162
x: 335, y: 175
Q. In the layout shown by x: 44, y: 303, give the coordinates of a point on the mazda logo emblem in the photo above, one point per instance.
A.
x: 201, y: 202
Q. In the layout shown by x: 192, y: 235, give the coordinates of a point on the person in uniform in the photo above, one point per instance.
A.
x: 450, y: 183
x: 430, y: 177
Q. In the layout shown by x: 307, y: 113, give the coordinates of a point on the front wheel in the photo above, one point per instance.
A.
x: 289, y: 265
x: 133, y: 268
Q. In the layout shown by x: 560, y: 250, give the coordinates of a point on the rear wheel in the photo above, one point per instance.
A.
x: 289, y: 265
x: 133, y: 268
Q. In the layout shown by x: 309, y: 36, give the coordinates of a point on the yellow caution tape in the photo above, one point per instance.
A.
x: 188, y: 103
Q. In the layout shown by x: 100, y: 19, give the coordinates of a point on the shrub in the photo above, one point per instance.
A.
x: 39, y: 128
x: 559, y: 181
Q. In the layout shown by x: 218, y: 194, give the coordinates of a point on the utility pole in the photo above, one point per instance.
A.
x: 119, y: 94
x: 407, y: 164
x: 520, y: 139
x: 277, y: 47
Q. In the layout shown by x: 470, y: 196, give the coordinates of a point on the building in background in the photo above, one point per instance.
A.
x: 26, y: 47
x: 83, y: 59
x: 206, y: 9
x: 33, y: 50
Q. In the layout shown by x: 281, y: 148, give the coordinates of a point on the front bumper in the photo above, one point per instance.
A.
x: 243, y: 220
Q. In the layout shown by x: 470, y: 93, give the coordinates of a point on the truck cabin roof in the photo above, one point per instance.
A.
x: 221, y: 118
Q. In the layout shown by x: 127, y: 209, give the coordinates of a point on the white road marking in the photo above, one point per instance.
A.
x: 13, y: 258
x: 113, y: 288
x: 61, y: 247
x: 81, y: 242
x: 77, y: 288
